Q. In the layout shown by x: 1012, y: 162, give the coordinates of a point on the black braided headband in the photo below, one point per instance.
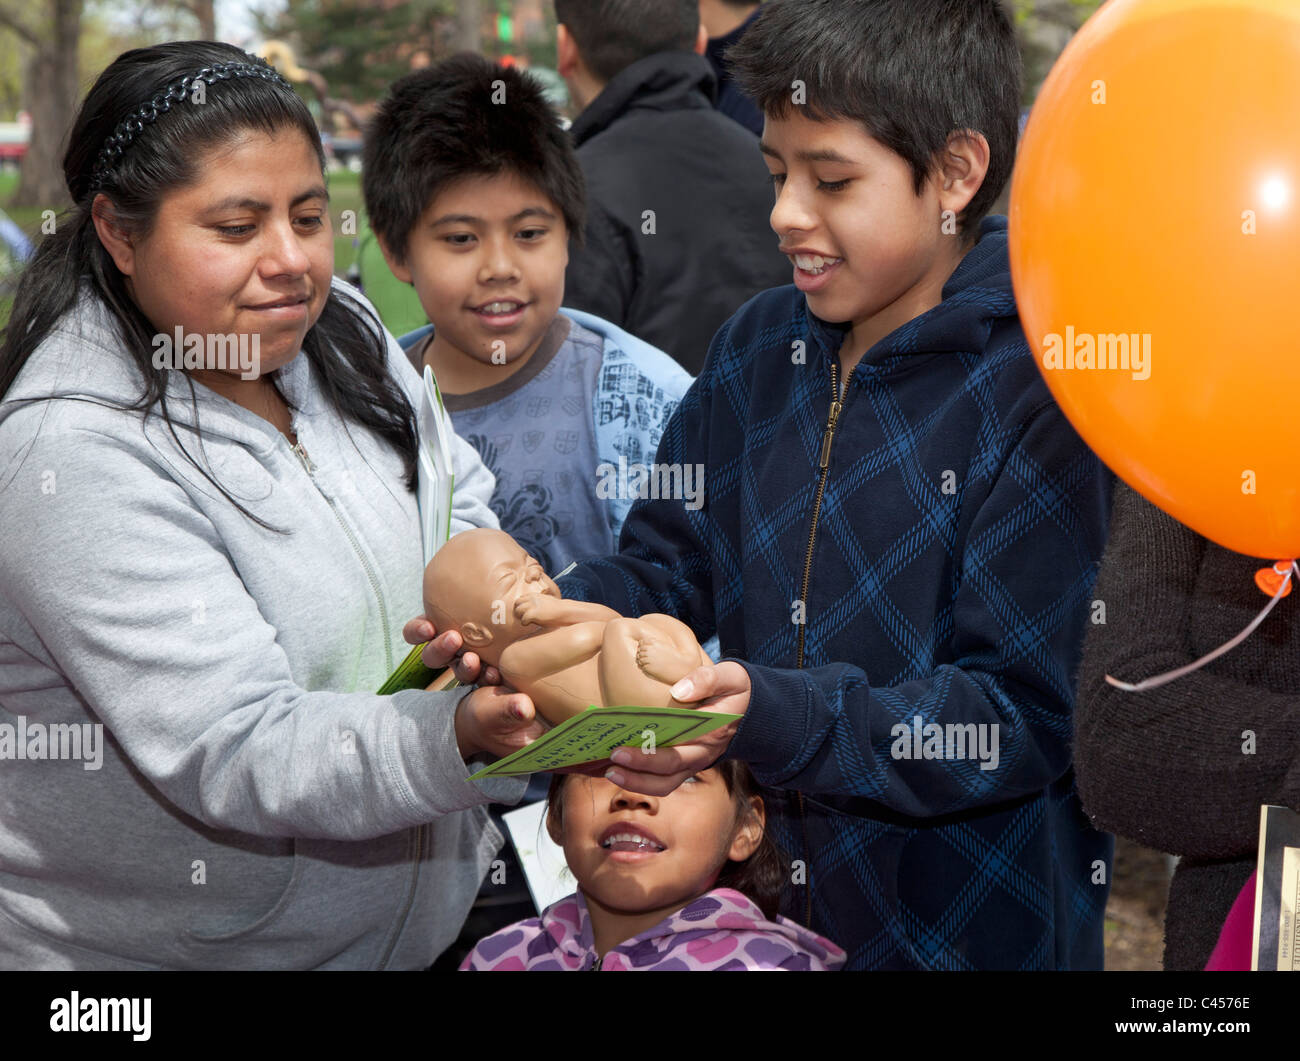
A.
x: 131, y: 126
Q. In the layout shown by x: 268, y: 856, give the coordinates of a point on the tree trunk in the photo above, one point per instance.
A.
x: 207, y: 16
x: 50, y: 96
x: 470, y: 24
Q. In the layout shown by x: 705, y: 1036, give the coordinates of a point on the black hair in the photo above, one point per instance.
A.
x: 463, y: 117
x: 611, y: 35
x: 346, y: 347
x: 911, y: 71
x: 761, y: 877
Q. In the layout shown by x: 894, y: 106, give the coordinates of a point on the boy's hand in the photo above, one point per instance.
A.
x: 440, y: 651
x: 723, y: 688
x: 497, y: 720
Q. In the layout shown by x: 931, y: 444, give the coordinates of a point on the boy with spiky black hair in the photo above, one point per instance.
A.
x: 472, y: 189
x: 900, y: 532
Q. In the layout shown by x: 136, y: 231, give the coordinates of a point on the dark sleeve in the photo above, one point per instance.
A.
x: 1167, y: 767
x: 1028, y: 565
x: 600, y: 277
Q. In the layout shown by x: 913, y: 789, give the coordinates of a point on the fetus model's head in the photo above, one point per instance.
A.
x: 473, y: 583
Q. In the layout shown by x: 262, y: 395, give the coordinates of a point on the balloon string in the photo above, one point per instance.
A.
x: 1169, y: 676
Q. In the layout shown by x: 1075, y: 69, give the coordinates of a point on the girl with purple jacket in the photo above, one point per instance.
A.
x: 684, y: 881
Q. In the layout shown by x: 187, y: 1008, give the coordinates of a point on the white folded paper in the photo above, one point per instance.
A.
x: 436, y: 478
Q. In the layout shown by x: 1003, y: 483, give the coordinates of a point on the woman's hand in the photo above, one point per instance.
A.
x: 723, y: 688
x: 496, y: 720
x: 440, y: 651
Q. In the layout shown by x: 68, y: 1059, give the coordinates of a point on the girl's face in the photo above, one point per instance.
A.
x: 633, y: 853
x: 247, y: 249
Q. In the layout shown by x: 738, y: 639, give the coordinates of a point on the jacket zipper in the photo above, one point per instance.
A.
x: 823, y: 464
x: 310, y: 468
x: 370, y: 574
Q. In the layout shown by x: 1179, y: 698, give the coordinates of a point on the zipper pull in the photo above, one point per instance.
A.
x: 835, y: 413
x: 302, y: 456
x: 830, y: 432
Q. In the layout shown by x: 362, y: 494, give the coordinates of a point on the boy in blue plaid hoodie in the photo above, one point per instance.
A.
x: 900, y: 530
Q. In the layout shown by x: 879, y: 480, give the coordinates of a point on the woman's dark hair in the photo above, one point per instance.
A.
x: 911, y: 72
x: 348, y: 354
x: 761, y: 877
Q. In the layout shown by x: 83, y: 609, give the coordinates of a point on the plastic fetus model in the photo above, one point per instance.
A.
x: 566, y: 655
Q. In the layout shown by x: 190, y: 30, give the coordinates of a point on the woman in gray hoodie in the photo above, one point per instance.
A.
x: 210, y: 540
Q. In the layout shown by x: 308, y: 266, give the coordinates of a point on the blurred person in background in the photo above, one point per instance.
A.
x: 725, y: 22
x: 678, y: 196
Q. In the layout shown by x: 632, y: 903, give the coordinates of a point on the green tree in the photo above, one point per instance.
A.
x: 11, y: 81
x: 49, y: 32
x: 361, y: 46
x: 1044, y: 27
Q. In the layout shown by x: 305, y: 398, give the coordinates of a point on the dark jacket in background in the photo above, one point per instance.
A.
x: 731, y: 101
x: 652, y: 141
x: 1166, y: 767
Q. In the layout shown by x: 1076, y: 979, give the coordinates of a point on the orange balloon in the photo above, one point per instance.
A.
x: 1155, y: 253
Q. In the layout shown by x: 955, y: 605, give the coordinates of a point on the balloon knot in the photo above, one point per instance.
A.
x: 1272, y: 579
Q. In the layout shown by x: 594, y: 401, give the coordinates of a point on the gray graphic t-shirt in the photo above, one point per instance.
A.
x: 535, y: 431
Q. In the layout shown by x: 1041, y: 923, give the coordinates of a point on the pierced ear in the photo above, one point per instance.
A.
x: 115, y: 239
x: 476, y: 635
x: 395, y: 265
x: 749, y: 833
x: 963, y: 165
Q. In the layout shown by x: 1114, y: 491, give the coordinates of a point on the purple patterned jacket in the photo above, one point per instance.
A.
x: 721, y: 930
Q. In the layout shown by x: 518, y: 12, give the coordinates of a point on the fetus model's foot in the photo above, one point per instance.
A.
x: 658, y: 658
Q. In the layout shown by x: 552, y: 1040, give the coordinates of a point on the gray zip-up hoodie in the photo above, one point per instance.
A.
x: 255, y: 803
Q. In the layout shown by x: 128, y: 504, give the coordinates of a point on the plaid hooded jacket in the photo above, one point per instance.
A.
x: 913, y: 549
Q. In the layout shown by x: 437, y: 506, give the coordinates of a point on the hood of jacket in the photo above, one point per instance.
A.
x: 90, y: 365
x: 715, y: 931
x: 618, y: 344
x: 665, y: 81
x: 976, y: 298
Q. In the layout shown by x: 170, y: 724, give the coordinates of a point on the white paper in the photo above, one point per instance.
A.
x: 1287, y: 928
x: 545, y: 870
x: 436, y: 479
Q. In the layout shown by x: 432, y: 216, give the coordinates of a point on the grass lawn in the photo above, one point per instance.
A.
x: 28, y: 219
x: 345, y: 194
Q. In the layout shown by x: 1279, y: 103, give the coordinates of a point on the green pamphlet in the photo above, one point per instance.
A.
x: 411, y: 673
x: 590, y: 737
